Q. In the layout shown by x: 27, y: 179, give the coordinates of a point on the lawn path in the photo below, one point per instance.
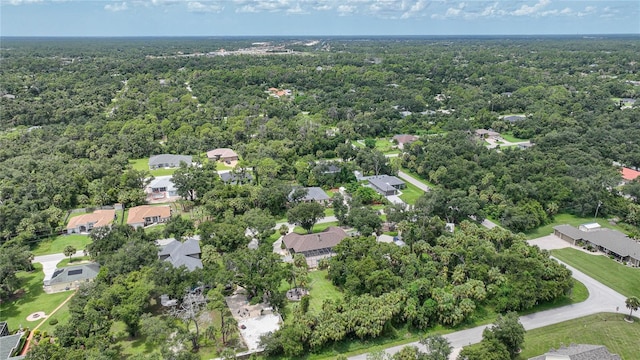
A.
x: 28, y: 342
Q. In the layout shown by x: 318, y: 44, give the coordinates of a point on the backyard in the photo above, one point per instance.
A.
x: 30, y: 300
x: 143, y: 165
x: 57, y: 244
x: 321, y: 289
x: 410, y: 194
x: 606, y: 329
x: 620, y: 278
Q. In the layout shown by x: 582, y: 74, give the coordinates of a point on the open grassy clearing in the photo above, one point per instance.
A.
x: 316, y: 228
x: 606, y: 329
x: 567, y: 219
x: 621, y: 278
x: 418, y: 177
x: 74, y: 261
x: 510, y: 138
x: 143, y: 165
x: 57, y: 244
x: 321, y: 289
x: 32, y: 299
x: 411, y: 193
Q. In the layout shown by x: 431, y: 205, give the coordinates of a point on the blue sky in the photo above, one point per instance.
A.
x: 315, y: 17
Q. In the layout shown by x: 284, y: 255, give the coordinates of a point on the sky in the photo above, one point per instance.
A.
x: 316, y: 17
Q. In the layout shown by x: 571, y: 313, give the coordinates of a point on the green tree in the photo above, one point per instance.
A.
x: 340, y: 209
x: 509, y: 331
x: 632, y: 303
x: 260, y: 223
x: 305, y: 215
x: 438, y: 348
x: 69, y: 251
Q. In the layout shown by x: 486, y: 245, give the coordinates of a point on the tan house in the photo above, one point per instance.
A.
x: 70, y: 277
x: 225, y: 155
x: 404, y: 139
x: 86, y: 222
x: 145, y: 215
x: 314, y: 246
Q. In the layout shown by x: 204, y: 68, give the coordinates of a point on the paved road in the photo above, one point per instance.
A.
x: 50, y: 261
x: 420, y: 185
x: 601, y: 299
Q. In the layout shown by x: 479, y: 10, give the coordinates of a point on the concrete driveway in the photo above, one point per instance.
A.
x: 50, y: 261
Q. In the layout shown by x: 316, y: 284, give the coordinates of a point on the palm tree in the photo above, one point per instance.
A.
x: 633, y: 303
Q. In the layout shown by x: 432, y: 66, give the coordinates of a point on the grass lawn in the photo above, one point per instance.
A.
x: 606, y: 329
x: 33, y: 299
x: 510, y: 138
x: 74, y: 261
x: 385, y: 146
x: 143, y: 165
x: 321, y: 289
x: 57, y: 244
x: 621, y: 278
x: 418, y: 177
x: 316, y: 228
x: 62, y: 315
x: 357, y: 143
x: 567, y: 219
x: 329, y: 212
x: 410, y: 194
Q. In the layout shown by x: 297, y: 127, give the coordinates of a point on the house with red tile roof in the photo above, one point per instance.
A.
x: 86, y: 222
x: 629, y: 175
x: 145, y: 215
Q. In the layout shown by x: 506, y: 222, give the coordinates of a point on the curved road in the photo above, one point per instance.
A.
x: 601, y: 299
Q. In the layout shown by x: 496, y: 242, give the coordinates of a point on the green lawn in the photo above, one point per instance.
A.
x: 567, y: 219
x: 510, y: 138
x: 33, y: 299
x: 57, y: 244
x: 410, y: 194
x: 62, y: 315
x: 329, y: 212
x: 321, y: 289
x: 418, y: 177
x: 621, y: 278
x: 143, y: 165
x: 357, y: 143
x: 605, y: 329
x: 73, y: 261
x: 316, y: 228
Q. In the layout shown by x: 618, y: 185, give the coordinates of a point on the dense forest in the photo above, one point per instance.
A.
x: 76, y: 113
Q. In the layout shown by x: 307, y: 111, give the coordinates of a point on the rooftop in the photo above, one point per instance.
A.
x: 329, y: 238
x: 404, y: 138
x: 629, y: 174
x: 74, y: 273
x: 579, y: 352
x: 163, y: 159
x: 221, y: 153
x: 139, y: 213
x: 313, y: 194
x: 178, y: 253
x: 162, y: 182
x: 609, y: 239
x: 8, y: 344
x: 385, y: 182
x: 98, y: 218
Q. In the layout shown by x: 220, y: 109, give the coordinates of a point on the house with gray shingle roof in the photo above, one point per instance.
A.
x: 386, y: 185
x: 178, y: 253
x: 71, y: 277
x: 609, y: 241
x: 233, y: 178
x: 579, y: 352
x: 9, y: 347
x: 313, y: 194
x: 168, y: 161
x: 314, y: 246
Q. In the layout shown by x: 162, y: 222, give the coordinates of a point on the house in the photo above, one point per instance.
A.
x: 609, y: 241
x: 629, y: 175
x: 404, y: 139
x: 314, y: 246
x: 313, y: 194
x: 386, y: 185
x: 146, y: 215
x: 278, y: 93
x: 9, y: 344
x: 233, y: 178
x: 168, y: 161
x: 161, y: 187
x: 626, y: 103
x: 71, y: 277
x: 178, y: 253
x: 86, y: 222
x: 579, y: 352
x: 225, y: 155
x: 525, y: 145
x: 514, y: 118
x: 483, y: 134
x: 8, y: 96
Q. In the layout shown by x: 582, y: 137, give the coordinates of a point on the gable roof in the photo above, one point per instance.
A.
x: 98, y: 218
x: 139, y: 213
x: 405, y: 139
x: 162, y: 182
x: 629, y: 174
x: 185, y: 253
x: 329, y: 238
x: 313, y: 194
x: 9, y: 344
x: 609, y: 239
x: 482, y: 132
x: 162, y: 159
x: 385, y: 182
x: 234, y: 178
x: 74, y: 273
x: 579, y: 352
x: 221, y: 153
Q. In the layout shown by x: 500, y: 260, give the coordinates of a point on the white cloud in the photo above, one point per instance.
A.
x: 416, y: 9
x: 344, y: 10
x: 254, y: 6
x: 531, y: 10
x: 20, y: 2
x: 209, y: 7
x: 116, y: 7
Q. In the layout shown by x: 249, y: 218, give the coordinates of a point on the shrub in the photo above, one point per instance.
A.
x: 53, y: 321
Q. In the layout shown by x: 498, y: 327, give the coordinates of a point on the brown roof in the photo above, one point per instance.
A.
x: 139, y: 213
x: 327, y: 239
x: 405, y: 139
x: 98, y: 218
x: 222, y: 153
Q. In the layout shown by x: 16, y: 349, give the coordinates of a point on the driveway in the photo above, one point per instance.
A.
x: 410, y: 179
x: 50, y: 261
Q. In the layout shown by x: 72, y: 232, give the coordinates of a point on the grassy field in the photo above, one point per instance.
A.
x: 33, y: 299
x: 410, y: 194
x: 510, y: 138
x: 143, y: 165
x: 316, y: 228
x: 567, y: 219
x: 623, y: 279
x: 605, y: 329
x: 321, y: 289
x: 74, y: 261
x: 57, y: 244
